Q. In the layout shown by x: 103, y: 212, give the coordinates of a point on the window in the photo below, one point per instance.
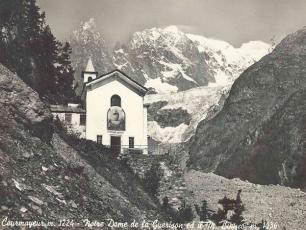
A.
x: 82, y: 119
x: 115, y: 100
x: 68, y: 117
x: 131, y: 142
x: 89, y: 79
x: 99, y: 139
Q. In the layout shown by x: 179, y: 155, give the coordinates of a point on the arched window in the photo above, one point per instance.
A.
x: 115, y: 101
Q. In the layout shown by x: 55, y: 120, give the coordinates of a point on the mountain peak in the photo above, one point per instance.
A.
x: 89, y: 25
x: 172, y: 28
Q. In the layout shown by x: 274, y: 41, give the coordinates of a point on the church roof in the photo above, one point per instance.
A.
x: 121, y: 75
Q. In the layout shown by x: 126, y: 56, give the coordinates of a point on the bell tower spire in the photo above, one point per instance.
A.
x: 89, y: 74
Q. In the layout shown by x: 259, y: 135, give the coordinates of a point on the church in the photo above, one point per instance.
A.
x: 114, y: 113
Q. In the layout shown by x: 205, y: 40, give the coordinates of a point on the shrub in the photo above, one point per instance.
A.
x: 231, y: 210
x: 152, y: 178
x: 262, y: 225
x: 237, y: 217
x: 184, y: 213
x: 203, y: 212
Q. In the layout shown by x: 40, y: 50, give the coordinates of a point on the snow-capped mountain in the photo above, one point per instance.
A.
x: 87, y: 42
x: 164, y: 59
x: 227, y: 62
x: 169, y: 60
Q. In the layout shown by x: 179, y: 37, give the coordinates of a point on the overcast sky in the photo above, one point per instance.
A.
x: 235, y: 21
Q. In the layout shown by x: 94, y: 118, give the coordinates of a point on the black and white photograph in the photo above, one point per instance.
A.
x: 153, y: 114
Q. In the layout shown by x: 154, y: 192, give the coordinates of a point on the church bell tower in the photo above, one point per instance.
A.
x: 89, y: 74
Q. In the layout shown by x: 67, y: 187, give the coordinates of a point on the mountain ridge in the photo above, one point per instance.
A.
x: 164, y: 59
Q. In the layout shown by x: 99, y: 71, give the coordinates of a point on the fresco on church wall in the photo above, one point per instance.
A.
x: 116, y: 119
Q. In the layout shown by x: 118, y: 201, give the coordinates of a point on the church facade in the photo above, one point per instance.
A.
x: 116, y: 115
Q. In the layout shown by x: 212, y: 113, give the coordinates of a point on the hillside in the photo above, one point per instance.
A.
x: 279, y: 205
x: 43, y: 178
x: 259, y: 133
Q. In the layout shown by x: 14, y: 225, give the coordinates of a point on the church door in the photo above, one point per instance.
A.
x: 116, y: 145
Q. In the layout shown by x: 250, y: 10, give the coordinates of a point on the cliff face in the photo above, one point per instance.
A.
x: 44, y: 178
x: 253, y: 135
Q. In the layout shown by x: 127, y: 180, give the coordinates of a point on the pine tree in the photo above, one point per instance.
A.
x: 231, y: 210
x: 184, y: 213
x: 45, y: 57
x: 203, y: 212
x: 237, y: 217
x: 65, y: 73
x: 28, y: 47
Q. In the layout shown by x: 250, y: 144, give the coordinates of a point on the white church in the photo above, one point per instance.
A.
x: 114, y: 115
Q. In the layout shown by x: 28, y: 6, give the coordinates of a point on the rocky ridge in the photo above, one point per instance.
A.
x: 169, y: 60
x: 259, y: 133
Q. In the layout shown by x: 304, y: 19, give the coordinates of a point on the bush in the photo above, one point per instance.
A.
x: 237, y: 217
x: 184, y: 214
x: 203, y: 212
x: 152, y: 178
x: 262, y: 225
x: 231, y: 211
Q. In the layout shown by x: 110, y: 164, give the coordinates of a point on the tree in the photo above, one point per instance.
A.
x: 203, y: 212
x: 28, y: 47
x: 231, y: 210
x: 184, y: 213
x: 237, y: 217
x: 152, y: 178
x: 45, y: 50
x: 65, y: 73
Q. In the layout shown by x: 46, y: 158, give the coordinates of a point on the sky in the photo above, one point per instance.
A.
x: 234, y: 21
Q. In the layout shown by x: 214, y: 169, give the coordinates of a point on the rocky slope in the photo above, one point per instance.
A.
x: 259, y: 133
x: 43, y: 178
x: 280, y: 206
